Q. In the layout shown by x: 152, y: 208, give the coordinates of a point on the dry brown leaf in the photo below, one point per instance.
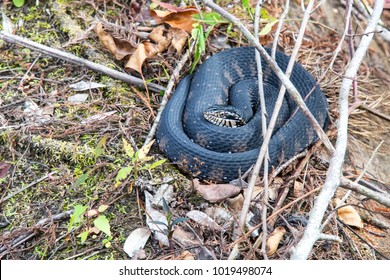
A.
x: 185, y: 238
x: 274, y: 239
x: 105, y: 38
x: 216, y: 192
x: 349, y: 215
x: 257, y: 191
x: 203, y: 219
x: 172, y: 8
x: 235, y: 203
x: 118, y: 48
x: 179, y: 39
x: 176, y: 17
x: 298, y: 189
x: 157, y: 34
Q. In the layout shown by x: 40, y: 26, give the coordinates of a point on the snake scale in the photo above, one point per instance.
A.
x: 211, y: 152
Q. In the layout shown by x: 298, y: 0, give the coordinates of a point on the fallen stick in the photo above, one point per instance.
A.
x: 14, y: 39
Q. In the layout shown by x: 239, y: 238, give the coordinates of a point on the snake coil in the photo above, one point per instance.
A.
x: 218, y: 153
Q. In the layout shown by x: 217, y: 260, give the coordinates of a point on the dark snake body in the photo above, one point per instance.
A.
x: 217, y: 153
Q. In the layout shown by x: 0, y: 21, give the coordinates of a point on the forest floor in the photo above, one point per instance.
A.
x: 71, y: 183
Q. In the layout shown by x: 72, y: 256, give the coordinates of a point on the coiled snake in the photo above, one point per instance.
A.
x: 219, y: 153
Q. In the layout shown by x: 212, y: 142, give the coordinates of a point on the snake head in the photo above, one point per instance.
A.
x: 227, y: 116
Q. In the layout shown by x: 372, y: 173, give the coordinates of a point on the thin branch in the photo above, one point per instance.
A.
x: 172, y: 81
x: 334, y: 174
x: 279, y: 28
x: 14, y: 39
x: 264, y: 129
x: 26, y: 187
x: 278, y: 105
x: 32, y: 232
x: 382, y: 198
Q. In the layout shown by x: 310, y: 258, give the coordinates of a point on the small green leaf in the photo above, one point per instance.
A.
x: 18, y: 3
x: 83, y: 236
x: 77, y: 216
x: 267, y: 28
x: 81, y: 179
x: 123, y: 173
x: 179, y: 220
x: 198, y: 34
x: 157, y: 163
x: 102, y: 208
x: 101, y: 146
x: 165, y: 206
x: 102, y: 223
x: 128, y: 148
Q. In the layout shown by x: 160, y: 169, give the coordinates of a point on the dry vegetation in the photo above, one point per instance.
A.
x: 56, y: 154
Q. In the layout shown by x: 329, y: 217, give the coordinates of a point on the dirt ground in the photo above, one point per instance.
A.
x: 60, y: 155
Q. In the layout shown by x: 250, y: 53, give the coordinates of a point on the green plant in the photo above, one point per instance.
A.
x: 18, y: 3
x: 139, y: 161
x: 101, y: 223
x: 199, y: 36
x: 170, y: 224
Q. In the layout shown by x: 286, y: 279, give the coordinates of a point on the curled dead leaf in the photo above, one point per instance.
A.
x: 274, y: 239
x: 203, y: 219
x: 298, y: 189
x: 216, y: 192
x: 119, y: 48
x: 349, y: 215
x: 176, y: 17
x: 179, y: 39
x: 235, y: 203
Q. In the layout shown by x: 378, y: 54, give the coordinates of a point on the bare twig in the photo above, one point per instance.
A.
x: 382, y: 198
x: 14, y: 39
x: 279, y: 28
x: 334, y: 174
x: 274, y: 116
x: 172, y: 81
x: 31, y: 232
x: 26, y: 187
x: 264, y: 129
x: 345, y: 197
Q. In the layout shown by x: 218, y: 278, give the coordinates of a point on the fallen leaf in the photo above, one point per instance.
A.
x: 105, y: 38
x: 216, y: 192
x: 143, y: 152
x: 176, y: 17
x: 349, y: 215
x: 235, y: 203
x: 203, y: 219
x: 136, y: 241
x: 256, y: 194
x: 274, y: 239
x: 144, y: 50
x: 152, y: 217
x: 298, y: 189
x: 4, y: 167
x: 7, y: 24
x: 83, y: 85
x: 185, y: 238
x: 179, y: 39
x: 78, y: 98
x: 92, y: 213
x: 120, y: 48
x: 172, y: 8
